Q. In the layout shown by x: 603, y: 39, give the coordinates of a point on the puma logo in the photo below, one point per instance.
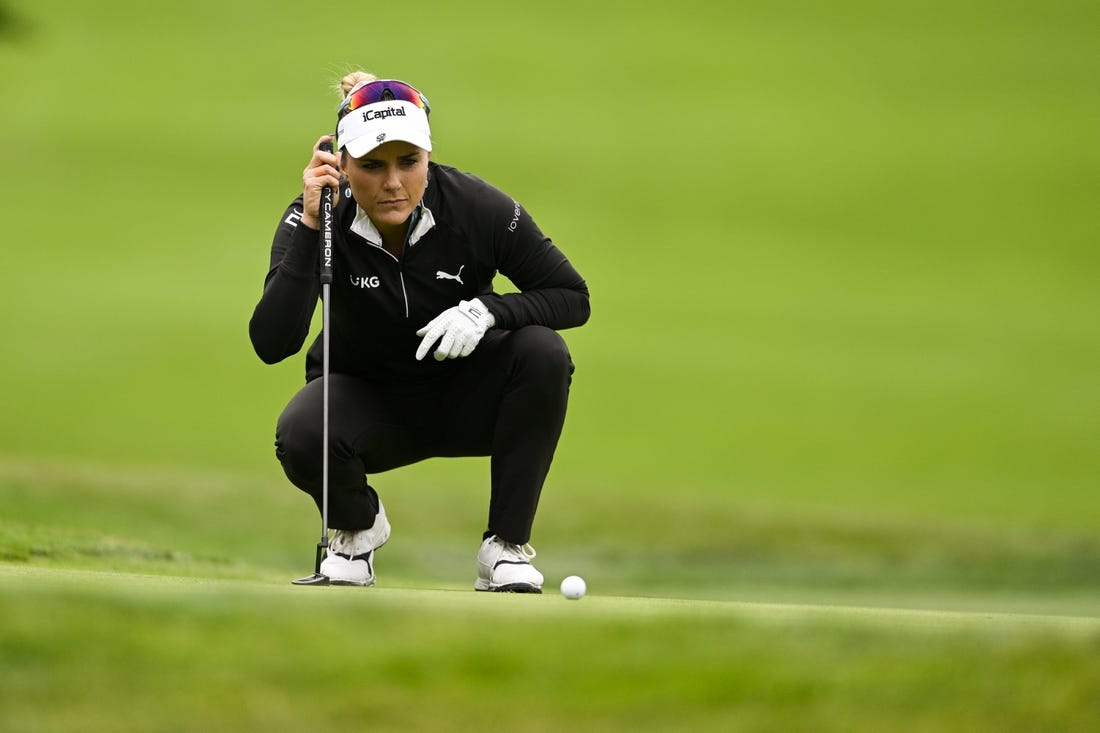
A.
x: 440, y: 275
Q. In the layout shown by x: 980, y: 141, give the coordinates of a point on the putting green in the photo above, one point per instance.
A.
x: 33, y: 581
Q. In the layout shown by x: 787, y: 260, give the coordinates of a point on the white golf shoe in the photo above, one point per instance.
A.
x: 504, y: 567
x: 350, y: 556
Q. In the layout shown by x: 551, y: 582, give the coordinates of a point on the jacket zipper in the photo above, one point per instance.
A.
x: 401, y: 277
x: 413, y: 220
x: 400, y: 260
x: 404, y: 294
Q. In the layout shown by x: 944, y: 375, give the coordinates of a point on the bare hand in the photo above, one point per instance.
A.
x: 323, y: 170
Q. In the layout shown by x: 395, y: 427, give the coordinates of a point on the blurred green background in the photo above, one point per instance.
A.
x: 846, y: 317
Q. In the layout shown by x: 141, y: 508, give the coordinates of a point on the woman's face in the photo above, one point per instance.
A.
x: 388, y: 182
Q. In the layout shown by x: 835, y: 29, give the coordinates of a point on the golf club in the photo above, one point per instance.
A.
x: 317, y: 578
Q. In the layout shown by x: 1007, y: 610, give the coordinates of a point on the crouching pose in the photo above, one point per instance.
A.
x: 426, y: 360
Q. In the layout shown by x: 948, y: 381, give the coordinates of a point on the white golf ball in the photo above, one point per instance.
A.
x: 573, y: 587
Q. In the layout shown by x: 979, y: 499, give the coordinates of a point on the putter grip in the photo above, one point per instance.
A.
x: 326, y: 225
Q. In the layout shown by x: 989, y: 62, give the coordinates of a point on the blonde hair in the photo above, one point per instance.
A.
x: 348, y: 82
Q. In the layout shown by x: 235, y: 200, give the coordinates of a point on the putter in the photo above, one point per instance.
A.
x: 317, y: 578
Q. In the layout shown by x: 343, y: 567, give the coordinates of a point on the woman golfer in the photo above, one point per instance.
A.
x: 426, y: 359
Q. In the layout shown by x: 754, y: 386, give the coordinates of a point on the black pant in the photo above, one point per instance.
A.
x: 506, y: 400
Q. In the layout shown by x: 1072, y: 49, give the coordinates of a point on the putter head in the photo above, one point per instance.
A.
x: 317, y: 578
x: 314, y: 579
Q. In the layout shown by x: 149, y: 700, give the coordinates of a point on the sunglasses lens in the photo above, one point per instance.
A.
x: 384, y: 91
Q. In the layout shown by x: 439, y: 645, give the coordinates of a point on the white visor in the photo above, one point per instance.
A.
x: 365, y: 128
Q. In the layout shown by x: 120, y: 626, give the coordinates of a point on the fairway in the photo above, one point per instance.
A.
x: 830, y: 456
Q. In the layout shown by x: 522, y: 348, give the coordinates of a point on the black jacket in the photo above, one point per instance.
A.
x: 467, y: 232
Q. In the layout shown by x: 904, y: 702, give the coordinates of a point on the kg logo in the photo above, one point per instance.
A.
x: 366, y: 281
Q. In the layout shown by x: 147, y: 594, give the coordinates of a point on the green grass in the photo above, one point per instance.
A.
x: 843, y: 356
x: 216, y: 655
x: 193, y: 524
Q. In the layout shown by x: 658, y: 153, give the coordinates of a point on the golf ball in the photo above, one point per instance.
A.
x: 573, y: 587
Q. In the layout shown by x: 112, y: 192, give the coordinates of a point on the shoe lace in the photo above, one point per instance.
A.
x: 524, y: 552
x: 347, y: 542
x: 338, y: 540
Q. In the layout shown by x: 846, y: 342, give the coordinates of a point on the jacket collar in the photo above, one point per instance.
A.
x: 422, y: 223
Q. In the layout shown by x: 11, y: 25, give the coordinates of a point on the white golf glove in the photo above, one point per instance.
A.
x: 457, y: 329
